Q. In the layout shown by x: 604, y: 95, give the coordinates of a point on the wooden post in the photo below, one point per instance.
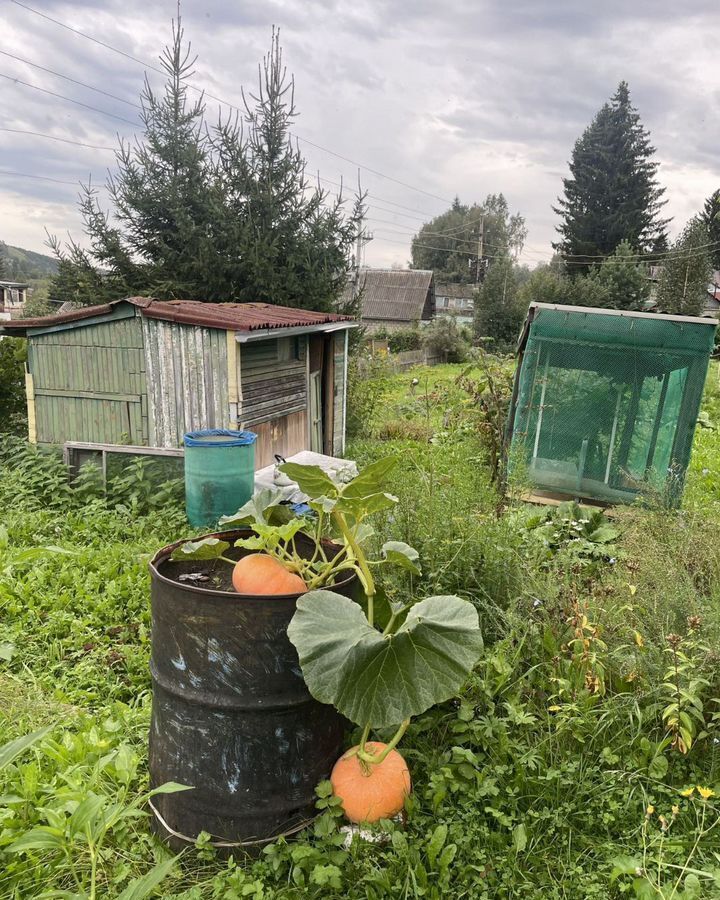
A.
x: 32, y: 419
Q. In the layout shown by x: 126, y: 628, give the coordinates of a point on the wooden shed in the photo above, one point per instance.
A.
x: 143, y: 372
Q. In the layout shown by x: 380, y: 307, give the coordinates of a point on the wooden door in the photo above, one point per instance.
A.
x: 316, y: 412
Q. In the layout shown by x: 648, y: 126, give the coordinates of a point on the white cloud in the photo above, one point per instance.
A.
x: 460, y: 98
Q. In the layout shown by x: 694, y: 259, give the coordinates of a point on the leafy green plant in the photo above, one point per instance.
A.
x: 683, y: 687
x: 377, y: 678
x: 489, y: 393
x: 585, y: 533
x: 345, y: 506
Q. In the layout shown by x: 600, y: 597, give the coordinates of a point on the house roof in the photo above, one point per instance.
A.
x: 14, y: 284
x: 246, y: 317
x: 458, y: 291
x: 395, y: 294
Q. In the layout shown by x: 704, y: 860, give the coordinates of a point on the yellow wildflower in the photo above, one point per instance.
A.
x: 676, y: 810
x: 650, y: 810
x: 688, y: 792
x: 705, y: 793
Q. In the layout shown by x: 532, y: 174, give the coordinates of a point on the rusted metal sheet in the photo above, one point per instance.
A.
x: 187, y: 376
x: 225, y: 316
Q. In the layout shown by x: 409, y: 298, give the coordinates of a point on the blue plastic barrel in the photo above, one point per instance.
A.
x: 219, y: 473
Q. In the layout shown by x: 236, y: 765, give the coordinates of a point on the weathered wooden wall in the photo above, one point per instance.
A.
x: 187, y: 375
x: 273, y: 379
x: 339, y: 393
x: 88, y: 383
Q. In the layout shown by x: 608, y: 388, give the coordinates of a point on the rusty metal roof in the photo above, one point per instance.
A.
x: 228, y: 316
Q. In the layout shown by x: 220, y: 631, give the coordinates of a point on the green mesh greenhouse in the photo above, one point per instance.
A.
x: 605, y: 401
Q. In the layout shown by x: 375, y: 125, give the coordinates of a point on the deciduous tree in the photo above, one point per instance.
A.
x: 449, y: 243
x: 499, y: 309
x: 686, y: 272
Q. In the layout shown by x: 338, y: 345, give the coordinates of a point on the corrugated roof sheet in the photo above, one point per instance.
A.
x: 396, y: 294
x: 229, y: 316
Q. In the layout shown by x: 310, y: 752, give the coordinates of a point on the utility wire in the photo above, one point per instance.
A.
x: 72, y: 80
x: 52, y: 137
x: 40, y: 177
x: 36, y: 87
x: 141, y: 62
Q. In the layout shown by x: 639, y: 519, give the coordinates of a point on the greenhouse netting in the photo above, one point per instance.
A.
x: 605, y: 401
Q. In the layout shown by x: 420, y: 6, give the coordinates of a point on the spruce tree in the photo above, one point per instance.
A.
x: 686, y: 272
x: 711, y: 217
x: 623, y: 282
x: 221, y: 214
x: 282, y: 239
x: 612, y: 193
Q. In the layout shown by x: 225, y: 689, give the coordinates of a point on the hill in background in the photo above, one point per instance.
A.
x: 25, y: 265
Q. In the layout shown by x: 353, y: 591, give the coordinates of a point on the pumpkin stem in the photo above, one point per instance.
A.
x: 365, y: 573
x: 227, y: 559
x: 371, y: 760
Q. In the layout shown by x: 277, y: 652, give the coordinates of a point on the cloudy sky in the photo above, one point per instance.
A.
x: 431, y: 99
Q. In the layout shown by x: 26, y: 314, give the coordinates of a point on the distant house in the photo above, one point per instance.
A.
x: 456, y: 301
x: 13, y: 295
x: 144, y: 371
x: 394, y: 298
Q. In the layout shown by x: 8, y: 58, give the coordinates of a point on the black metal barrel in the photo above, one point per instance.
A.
x: 231, y: 714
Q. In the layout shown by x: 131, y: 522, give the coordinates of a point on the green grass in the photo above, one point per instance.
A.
x: 534, y: 783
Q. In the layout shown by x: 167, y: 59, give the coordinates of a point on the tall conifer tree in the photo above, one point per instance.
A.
x: 612, y: 194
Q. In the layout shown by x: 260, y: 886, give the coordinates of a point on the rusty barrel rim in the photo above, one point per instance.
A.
x: 163, y: 555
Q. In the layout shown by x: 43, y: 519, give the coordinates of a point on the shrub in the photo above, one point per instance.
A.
x: 13, y: 409
x: 366, y: 384
x: 443, y: 338
x: 405, y: 339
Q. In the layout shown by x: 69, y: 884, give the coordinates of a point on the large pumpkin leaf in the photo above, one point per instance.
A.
x: 370, y: 480
x: 264, y: 506
x: 401, y: 554
x: 311, y: 480
x: 382, y: 680
x: 207, y: 548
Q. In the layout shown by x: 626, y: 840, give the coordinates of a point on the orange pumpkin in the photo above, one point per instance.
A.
x: 260, y: 574
x: 373, y: 792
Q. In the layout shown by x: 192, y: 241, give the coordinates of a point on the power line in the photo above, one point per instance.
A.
x: 52, y: 137
x: 36, y: 87
x: 95, y: 40
x: 89, y: 37
x: 72, y: 80
x: 40, y: 177
x: 423, y: 215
